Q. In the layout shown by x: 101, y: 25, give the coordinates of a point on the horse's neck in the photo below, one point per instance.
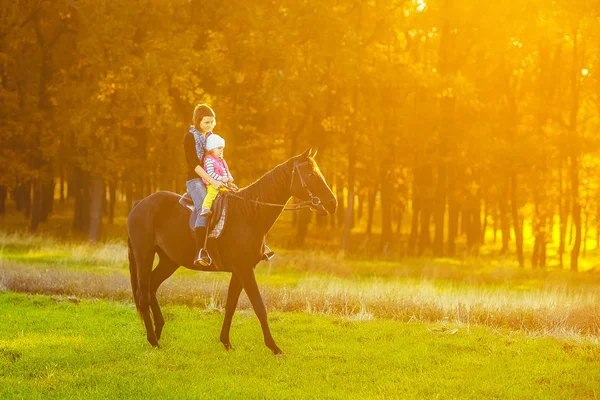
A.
x: 272, y: 188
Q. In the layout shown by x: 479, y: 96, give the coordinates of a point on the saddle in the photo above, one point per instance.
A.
x: 217, y: 219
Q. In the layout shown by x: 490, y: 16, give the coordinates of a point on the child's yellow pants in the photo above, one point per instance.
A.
x: 211, y: 195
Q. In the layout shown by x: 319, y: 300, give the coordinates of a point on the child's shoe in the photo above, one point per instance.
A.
x: 205, y: 212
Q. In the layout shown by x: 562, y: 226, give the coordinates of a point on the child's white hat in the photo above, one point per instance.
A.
x: 213, y: 141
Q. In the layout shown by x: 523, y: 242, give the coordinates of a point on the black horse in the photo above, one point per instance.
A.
x: 160, y: 224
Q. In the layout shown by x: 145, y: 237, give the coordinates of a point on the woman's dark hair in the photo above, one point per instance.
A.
x: 201, y: 111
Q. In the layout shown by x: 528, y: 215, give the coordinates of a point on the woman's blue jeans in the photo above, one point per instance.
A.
x: 197, y: 190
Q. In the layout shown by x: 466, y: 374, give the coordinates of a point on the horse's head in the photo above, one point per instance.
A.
x: 309, y: 184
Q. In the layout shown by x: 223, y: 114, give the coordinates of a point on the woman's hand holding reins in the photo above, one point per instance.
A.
x: 217, y: 184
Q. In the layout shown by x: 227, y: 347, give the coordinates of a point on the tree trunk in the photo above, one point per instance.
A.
x: 414, y: 226
x: 40, y: 208
x: 504, y: 220
x: 578, y: 55
x: 129, y: 195
x: 424, y: 237
x: 586, y: 217
x: 97, y: 202
x: 598, y: 224
x: 399, y: 220
x: 539, y: 225
x: 81, y: 210
x: 485, y: 216
x: 112, y: 191
x: 23, y: 199
x: 62, y: 183
x: 440, y: 206
x: 517, y: 223
x: 476, y: 225
x: 563, y: 204
x: 539, y: 248
x: 360, y: 207
x: 576, y: 212
x: 472, y: 219
x: 446, y: 129
x: 495, y: 225
x: 36, y: 205
x: 339, y: 190
x: 349, y: 218
x: 47, y: 199
x: 386, y: 213
x: 3, y: 193
x: 453, y: 209
x: 371, y: 209
x: 571, y: 226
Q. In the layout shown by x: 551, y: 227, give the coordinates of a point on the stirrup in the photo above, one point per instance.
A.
x: 268, y: 254
x: 203, y: 259
x: 205, y: 212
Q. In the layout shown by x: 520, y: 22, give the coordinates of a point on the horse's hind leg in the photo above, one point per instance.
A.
x: 165, y: 268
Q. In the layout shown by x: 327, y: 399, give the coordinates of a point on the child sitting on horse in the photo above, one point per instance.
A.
x: 216, y: 167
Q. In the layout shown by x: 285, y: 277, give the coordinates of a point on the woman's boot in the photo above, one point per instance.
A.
x: 202, y: 259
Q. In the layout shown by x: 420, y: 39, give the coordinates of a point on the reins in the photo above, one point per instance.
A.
x: 312, y: 203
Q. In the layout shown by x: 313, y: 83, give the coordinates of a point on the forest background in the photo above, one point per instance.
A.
x: 441, y: 125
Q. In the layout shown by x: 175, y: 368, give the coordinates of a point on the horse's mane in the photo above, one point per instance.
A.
x: 265, y: 187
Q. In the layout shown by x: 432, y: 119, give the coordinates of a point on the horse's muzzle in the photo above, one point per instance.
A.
x: 330, y: 206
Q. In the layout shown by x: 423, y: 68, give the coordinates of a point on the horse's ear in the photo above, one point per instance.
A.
x: 313, y: 152
x: 306, y: 154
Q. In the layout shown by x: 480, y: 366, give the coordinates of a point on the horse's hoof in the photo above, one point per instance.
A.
x: 227, y: 346
x: 153, y: 341
x: 278, y: 352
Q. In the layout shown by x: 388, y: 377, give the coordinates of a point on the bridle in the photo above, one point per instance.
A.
x: 312, y: 203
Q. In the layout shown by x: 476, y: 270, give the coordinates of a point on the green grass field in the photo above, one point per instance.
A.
x: 56, y: 347
x: 416, y: 328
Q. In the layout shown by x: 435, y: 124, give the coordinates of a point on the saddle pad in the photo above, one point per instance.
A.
x: 219, y: 216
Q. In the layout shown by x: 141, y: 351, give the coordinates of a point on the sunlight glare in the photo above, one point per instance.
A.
x: 421, y: 4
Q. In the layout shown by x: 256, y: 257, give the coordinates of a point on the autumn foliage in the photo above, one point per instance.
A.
x: 450, y: 117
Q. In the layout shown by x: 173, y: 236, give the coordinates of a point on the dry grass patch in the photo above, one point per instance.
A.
x: 557, y: 309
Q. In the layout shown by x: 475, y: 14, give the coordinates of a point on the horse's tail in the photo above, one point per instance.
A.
x: 133, y: 275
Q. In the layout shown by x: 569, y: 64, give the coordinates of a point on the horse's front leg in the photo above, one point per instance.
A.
x: 233, y: 294
x: 248, y: 280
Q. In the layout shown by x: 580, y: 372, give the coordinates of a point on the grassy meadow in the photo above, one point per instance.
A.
x: 475, y: 327
x: 61, y: 347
